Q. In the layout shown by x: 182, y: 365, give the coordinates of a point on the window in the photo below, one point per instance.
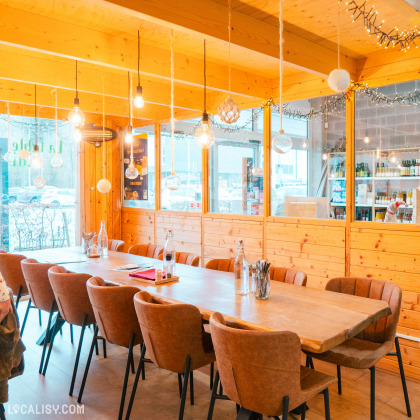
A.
x: 187, y: 165
x: 309, y: 180
x: 236, y: 166
x: 33, y: 218
x: 140, y: 192
x: 387, y: 154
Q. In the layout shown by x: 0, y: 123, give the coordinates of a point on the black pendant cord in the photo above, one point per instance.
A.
x: 77, y: 93
x: 138, y: 57
x: 205, y: 78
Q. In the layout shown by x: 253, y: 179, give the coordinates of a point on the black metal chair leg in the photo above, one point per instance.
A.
x: 2, y: 411
x: 180, y: 384
x: 339, y: 379
x: 192, y: 388
x: 140, y: 367
x: 402, y: 375
x: 79, y: 349
x: 104, y: 347
x: 52, y: 337
x: 143, y: 372
x: 26, y: 316
x: 211, y: 375
x: 71, y: 334
x: 47, y: 336
x: 94, y: 340
x: 221, y: 388
x: 327, y: 404
x: 18, y: 296
x: 40, y: 317
x: 127, y: 373
x: 133, y: 370
x: 213, y: 397
x: 184, y: 388
x: 372, y: 393
x: 285, y: 408
x: 302, y: 416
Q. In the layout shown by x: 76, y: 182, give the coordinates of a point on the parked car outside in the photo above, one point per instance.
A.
x: 32, y: 194
x: 61, y: 197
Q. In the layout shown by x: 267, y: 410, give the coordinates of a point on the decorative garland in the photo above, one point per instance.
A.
x: 370, y: 18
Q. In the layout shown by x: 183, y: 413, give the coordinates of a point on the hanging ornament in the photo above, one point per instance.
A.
x: 339, y: 79
x: 204, y: 136
x: 229, y: 110
x: 24, y: 154
x: 282, y: 143
x: 131, y: 172
x: 9, y: 156
x: 56, y: 161
x: 36, y: 161
x: 104, y: 185
x: 138, y: 100
x: 173, y: 181
x: 39, y: 182
x: 76, y: 116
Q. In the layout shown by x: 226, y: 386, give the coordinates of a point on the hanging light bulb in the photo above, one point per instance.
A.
x: 282, y: 143
x: 338, y: 79
x: 366, y: 139
x: 77, y: 135
x: 138, y: 100
x: 304, y: 145
x: 204, y: 136
x: 76, y: 115
x: 129, y: 135
x: 56, y: 161
x: 324, y: 156
x: 131, y: 172
x: 393, y: 158
x: 36, y: 161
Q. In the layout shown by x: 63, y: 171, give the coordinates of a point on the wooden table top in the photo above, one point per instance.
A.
x: 322, y: 319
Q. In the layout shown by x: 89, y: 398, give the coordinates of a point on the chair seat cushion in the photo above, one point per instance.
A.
x: 313, y: 381
x: 355, y: 353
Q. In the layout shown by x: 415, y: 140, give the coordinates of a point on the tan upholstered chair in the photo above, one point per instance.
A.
x: 116, y: 319
x: 116, y: 245
x: 227, y: 265
x: 373, y: 343
x: 149, y: 251
x: 261, y: 371
x: 174, y: 339
x: 11, y: 272
x: 73, y: 302
x: 42, y: 296
x: 288, y: 275
x: 185, y: 258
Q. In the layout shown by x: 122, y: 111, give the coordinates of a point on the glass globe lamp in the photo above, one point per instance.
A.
x: 9, y: 157
x: 131, y: 172
x: 393, y: 158
x: 36, y: 161
x: 339, y: 80
x: 204, y: 136
x: 24, y: 154
x: 56, y: 161
x: 282, y: 143
x: 76, y: 115
x: 104, y: 186
x: 173, y: 181
x: 138, y: 100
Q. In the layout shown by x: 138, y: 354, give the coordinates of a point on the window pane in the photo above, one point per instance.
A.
x: 140, y: 192
x: 387, y: 154
x: 235, y: 166
x: 33, y: 218
x: 309, y: 179
x: 187, y: 165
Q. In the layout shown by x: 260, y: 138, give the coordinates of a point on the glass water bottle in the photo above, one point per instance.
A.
x: 169, y: 255
x: 103, y: 240
x: 241, y: 271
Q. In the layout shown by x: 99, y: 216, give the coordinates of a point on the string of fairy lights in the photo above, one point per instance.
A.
x: 374, y: 27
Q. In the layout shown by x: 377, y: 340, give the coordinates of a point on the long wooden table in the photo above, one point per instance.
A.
x: 321, y: 319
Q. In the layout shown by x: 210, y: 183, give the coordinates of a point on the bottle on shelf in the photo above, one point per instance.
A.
x: 241, y: 270
x: 103, y: 240
x: 169, y: 254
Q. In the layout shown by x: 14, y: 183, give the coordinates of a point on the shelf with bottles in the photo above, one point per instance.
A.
x: 407, y: 169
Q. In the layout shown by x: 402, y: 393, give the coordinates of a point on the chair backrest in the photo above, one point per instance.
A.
x: 116, y: 245
x: 257, y: 368
x: 186, y: 258
x: 150, y: 251
x: 71, y: 295
x: 113, y: 307
x: 11, y: 272
x: 288, y: 275
x: 386, y: 328
x: 36, y: 277
x: 171, y: 332
x: 221, y: 264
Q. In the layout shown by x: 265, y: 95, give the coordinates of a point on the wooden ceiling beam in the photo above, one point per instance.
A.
x: 38, y: 33
x: 210, y: 19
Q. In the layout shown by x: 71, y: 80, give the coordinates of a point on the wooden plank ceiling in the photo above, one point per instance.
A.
x: 40, y: 39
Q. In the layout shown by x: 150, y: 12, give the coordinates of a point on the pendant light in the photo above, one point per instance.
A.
x: 229, y: 111
x: 129, y: 130
x: 131, y: 172
x: 56, y: 161
x: 338, y: 79
x: 282, y: 143
x: 36, y: 161
x: 173, y: 181
x: 23, y: 154
x: 204, y: 136
x: 138, y: 100
x: 104, y: 185
x: 9, y: 156
x: 76, y: 116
